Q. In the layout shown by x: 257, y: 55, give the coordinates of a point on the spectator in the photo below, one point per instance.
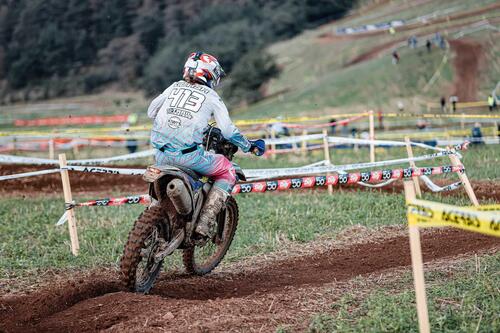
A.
x: 333, y: 126
x: 453, y: 102
x: 438, y: 39
x: 477, y: 136
x: 395, y: 57
x: 421, y: 124
x: 492, y: 104
x: 131, y: 145
x: 412, y: 42
x: 442, y: 44
x: 428, y: 45
x: 380, y: 119
x: 401, y: 106
x: 443, y: 104
x: 279, y: 128
x: 354, y: 132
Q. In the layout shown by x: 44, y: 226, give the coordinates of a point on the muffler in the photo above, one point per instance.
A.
x: 179, y: 195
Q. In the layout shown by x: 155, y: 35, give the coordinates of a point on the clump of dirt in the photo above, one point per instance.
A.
x: 235, y: 301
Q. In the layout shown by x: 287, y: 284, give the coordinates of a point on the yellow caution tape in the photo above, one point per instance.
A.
x: 494, y: 207
x: 439, y: 115
x: 263, y: 121
x: 432, y: 214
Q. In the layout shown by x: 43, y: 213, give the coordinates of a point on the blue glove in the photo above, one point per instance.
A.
x: 258, y: 147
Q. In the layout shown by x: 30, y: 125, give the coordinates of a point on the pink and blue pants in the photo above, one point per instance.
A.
x: 215, y: 166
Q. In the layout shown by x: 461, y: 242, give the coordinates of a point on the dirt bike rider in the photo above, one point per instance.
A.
x: 180, y: 116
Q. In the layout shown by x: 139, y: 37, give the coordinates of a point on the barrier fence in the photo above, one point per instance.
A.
x: 420, y: 213
x: 284, y: 184
x: 261, y: 180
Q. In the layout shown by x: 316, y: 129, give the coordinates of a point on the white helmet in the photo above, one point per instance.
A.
x: 203, y: 68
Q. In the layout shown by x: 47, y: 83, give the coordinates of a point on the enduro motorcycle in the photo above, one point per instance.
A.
x: 168, y: 224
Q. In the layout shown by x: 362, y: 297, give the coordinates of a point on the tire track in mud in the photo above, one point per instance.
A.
x: 98, y: 302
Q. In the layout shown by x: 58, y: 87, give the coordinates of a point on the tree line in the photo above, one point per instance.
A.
x: 52, y: 48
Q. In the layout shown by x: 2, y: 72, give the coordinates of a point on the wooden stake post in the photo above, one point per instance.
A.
x: 51, y: 149
x: 73, y: 235
x: 304, y: 144
x: 273, y: 145
x: 372, y: 135
x: 455, y: 161
x: 326, y: 148
x: 417, y: 265
x: 409, y: 150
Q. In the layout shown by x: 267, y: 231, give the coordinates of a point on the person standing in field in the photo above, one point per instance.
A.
x: 453, y: 102
x: 443, y: 104
x: 395, y: 57
x: 492, y: 105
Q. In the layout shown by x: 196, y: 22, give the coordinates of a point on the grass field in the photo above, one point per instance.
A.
x: 463, y: 299
x: 30, y: 241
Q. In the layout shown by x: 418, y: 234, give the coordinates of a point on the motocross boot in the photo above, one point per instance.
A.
x: 213, y: 205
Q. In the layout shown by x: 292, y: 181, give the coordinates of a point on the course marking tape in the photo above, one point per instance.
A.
x: 143, y: 199
x: 34, y: 160
x: 255, y: 174
x: 435, y: 188
x: 325, y: 125
x: 431, y: 214
x: 98, y: 169
x: 342, y: 178
x: 29, y: 174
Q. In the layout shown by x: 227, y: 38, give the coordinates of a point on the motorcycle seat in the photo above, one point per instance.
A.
x: 165, y: 167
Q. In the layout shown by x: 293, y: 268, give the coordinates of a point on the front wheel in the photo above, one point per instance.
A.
x: 202, y: 260
x: 138, y: 267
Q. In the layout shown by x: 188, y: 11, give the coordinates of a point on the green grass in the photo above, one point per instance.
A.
x: 30, y: 241
x: 465, y: 301
x: 348, y: 86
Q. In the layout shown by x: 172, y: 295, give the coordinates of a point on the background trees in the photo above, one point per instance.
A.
x: 143, y: 43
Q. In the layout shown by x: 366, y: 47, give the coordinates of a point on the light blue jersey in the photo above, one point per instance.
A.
x: 182, y: 113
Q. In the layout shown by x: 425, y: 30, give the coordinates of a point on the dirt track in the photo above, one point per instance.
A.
x: 283, y: 292
x: 102, y: 185
x: 469, y: 55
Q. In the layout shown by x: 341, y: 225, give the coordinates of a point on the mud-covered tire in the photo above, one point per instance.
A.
x: 192, y: 265
x: 151, y: 219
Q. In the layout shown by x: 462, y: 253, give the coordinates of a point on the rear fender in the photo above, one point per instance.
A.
x: 160, y: 176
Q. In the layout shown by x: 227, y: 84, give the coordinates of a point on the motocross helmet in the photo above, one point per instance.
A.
x: 203, y: 68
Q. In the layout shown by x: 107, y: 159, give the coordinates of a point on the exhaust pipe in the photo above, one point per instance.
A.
x: 179, y: 195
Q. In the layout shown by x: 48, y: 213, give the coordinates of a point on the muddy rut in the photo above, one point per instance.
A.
x: 222, y: 301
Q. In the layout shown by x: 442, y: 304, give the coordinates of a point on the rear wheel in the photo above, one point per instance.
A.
x: 202, y: 260
x: 138, y: 267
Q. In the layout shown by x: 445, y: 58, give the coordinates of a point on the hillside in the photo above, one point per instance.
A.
x: 323, y: 71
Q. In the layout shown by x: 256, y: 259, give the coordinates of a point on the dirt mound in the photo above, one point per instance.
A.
x: 222, y: 301
x: 469, y: 55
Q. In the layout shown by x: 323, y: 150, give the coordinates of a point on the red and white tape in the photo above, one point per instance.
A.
x: 346, y: 178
